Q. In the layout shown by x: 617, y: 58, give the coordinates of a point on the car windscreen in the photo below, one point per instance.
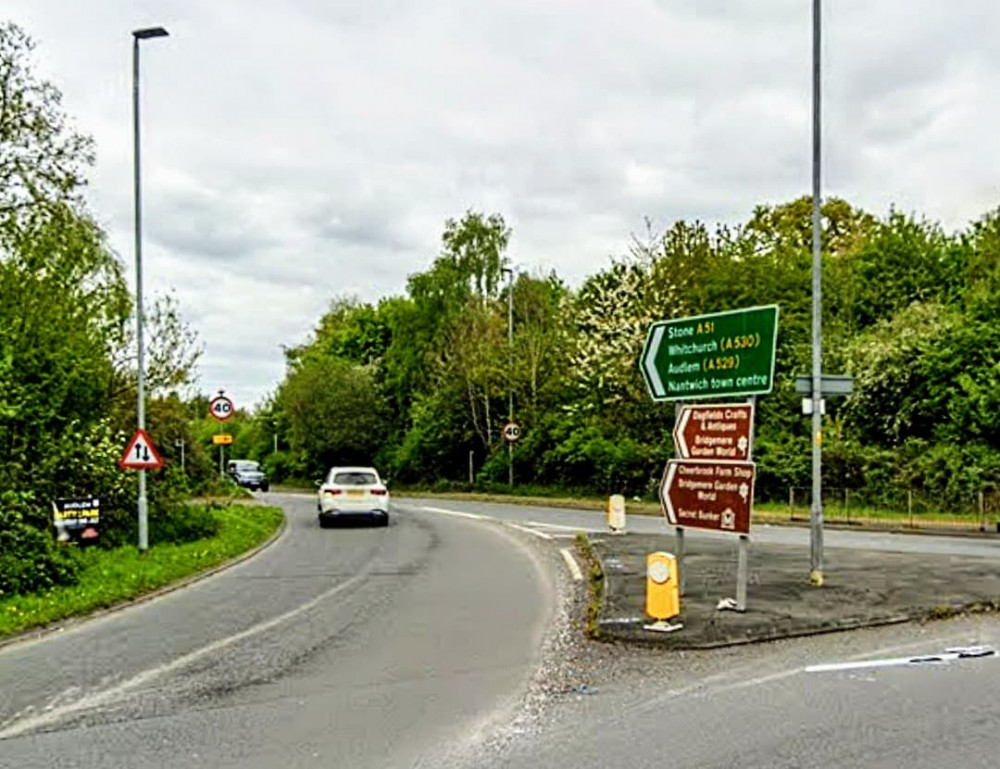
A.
x: 355, y: 479
x: 246, y: 466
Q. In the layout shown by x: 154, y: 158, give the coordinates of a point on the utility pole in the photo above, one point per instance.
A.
x: 137, y: 35
x: 816, y: 510
x: 510, y: 371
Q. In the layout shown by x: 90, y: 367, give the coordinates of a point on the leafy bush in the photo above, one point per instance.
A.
x: 29, y: 561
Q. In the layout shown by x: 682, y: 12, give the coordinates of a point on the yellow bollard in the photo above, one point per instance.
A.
x: 663, y: 598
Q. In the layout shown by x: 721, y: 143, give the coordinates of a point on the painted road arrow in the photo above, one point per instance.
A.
x: 708, y: 495
x: 715, y: 431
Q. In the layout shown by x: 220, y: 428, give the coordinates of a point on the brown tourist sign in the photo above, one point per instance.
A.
x: 712, y: 495
x: 715, y: 431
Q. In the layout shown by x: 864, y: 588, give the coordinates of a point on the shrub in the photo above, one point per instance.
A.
x: 29, y: 561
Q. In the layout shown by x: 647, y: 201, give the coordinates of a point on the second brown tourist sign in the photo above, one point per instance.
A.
x: 708, y: 495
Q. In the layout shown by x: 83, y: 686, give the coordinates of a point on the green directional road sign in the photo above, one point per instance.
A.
x: 709, y: 356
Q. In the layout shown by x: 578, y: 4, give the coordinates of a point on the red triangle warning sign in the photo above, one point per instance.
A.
x: 140, y: 454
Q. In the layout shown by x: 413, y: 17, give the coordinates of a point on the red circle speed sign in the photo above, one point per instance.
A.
x: 511, y: 432
x: 221, y: 408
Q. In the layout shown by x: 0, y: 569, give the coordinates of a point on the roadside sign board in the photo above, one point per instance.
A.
x: 221, y: 408
x: 714, y: 431
x: 512, y: 432
x: 222, y: 439
x: 830, y: 385
x: 77, y: 520
x: 140, y: 454
x: 710, y: 495
x: 711, y: 356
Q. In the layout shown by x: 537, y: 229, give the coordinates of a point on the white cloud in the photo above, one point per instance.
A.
x: 299, y: 150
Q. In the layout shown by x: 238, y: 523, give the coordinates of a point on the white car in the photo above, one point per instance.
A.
x: 352, y: 494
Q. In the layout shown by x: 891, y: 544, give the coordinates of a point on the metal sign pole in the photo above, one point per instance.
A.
x: 741, y: 573
x: 679, y: 530
x: 742, y: 562
x: 679, y: 547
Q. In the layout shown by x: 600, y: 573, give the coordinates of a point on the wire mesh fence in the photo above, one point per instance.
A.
x: 910, y: 508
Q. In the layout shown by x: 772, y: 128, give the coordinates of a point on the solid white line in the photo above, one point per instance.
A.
x: 97, y: 699
x: 574, y: 567
x: 474, y: 516
x: 539, y: 534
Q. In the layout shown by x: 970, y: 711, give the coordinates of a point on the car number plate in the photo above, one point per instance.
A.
x: 355, y: 493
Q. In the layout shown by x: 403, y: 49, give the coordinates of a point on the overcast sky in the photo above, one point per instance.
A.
x: 298, y: 150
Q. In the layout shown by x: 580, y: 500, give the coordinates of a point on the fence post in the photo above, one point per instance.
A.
x: 982, y: 511
x: 909, y: 505
x: 791, y: 499
x: 847, y: 510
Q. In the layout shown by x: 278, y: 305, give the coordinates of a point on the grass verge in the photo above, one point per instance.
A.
x: 110, y: 577
x: 595, y: 584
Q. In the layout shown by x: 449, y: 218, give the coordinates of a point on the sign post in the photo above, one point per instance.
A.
x: 716, y: 496
x: 140, y: 454
x: 711, y: 356
x: 221, y: 408
x: 710, y: 484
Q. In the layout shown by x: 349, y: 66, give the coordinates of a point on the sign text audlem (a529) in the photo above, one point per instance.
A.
x: 709, y: 356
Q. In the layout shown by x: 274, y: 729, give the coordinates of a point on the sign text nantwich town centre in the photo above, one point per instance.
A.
x: 717, y: 355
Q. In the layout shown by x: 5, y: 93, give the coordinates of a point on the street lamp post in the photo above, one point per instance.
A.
x: 137, y: 35
x: 816, y: 510
x: 510, y: 371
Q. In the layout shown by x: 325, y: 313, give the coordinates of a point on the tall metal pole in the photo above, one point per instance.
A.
x: 510, y: 372
x: 138, y: 35
x: 141, y: 389
x: 816, y: 511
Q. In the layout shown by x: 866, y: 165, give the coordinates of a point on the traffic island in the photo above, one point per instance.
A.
x: 861, y: 589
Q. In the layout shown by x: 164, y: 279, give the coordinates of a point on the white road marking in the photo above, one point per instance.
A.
x: 474, y: 516
x: 574, y: 567
x: 565, y: 528
x: 950, y: 655
x: 536, y: 532
x: 100, y: 698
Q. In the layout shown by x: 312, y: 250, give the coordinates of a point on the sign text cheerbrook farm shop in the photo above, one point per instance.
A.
x: 710, y: 356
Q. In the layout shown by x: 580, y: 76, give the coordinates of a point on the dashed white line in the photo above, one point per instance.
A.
x: 574, y: 567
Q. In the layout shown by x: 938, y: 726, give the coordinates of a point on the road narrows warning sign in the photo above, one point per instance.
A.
x: 140, y: 454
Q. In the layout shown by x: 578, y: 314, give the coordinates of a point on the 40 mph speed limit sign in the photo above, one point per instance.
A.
x: 511, y: 432
x: 221, y: 408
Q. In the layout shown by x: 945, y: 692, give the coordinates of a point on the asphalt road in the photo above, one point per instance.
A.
x: 768, y: 708
x: 344, y: 647
x: 413, y: 646
x: 885, y: 697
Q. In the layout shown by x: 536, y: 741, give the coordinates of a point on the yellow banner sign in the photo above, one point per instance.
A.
x: 222, y: 438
